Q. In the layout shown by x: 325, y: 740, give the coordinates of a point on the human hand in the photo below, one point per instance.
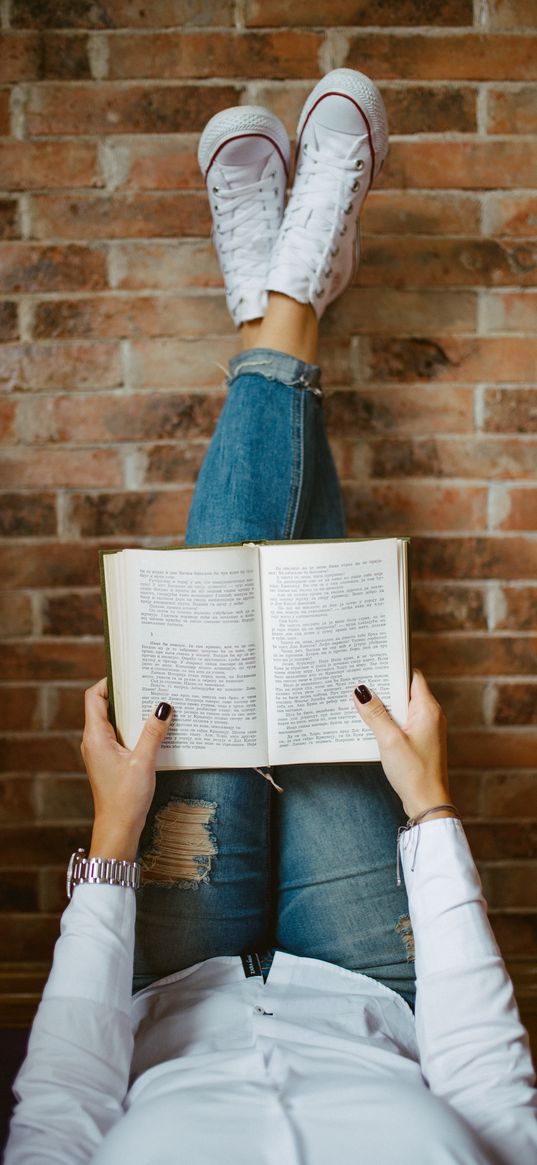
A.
x: 122, y: 781
x: 414, y: 757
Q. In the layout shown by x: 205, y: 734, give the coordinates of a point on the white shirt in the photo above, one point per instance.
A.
x: 318, y: 1065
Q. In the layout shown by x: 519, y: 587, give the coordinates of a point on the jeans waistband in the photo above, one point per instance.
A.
x: 279, y: 366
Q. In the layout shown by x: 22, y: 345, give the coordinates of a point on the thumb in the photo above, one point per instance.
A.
x: 153, y: 733
x: 375, y: 714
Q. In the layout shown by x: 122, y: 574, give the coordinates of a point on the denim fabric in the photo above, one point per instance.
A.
x: 310, y: 871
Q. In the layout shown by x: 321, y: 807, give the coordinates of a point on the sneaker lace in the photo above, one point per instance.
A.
x: 246, y: 227
x: 316, y: 209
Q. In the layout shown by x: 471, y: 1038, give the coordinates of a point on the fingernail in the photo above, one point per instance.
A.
x: 362, y: 694
x: 163, y: 711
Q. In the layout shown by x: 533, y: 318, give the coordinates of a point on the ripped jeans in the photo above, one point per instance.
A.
x: 233, y: 865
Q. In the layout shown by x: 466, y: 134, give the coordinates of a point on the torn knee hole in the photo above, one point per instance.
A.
x: 404, y: 928
x: 182, y: 845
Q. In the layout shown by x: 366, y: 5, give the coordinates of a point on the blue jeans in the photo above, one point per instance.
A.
x: 310, y: 872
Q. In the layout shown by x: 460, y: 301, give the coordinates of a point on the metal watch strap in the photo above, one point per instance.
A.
x: 94, y: 871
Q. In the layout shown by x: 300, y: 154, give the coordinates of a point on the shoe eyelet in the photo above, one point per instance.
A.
x: 359, y: 164
x: 335, y: 251
x: 343, y: 231
x: 216, y: 189
x: 355, y: 185
x: 328, y: 273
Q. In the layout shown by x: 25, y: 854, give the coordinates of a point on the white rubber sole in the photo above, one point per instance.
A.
x: 368, y: 100
x: 241, y: 121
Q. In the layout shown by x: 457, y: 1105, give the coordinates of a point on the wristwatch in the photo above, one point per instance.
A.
x: 113, y: 871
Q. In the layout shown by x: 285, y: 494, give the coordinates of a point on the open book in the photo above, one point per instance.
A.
x: 258, y: 647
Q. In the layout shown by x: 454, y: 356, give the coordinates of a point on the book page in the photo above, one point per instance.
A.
x: 332, y: 616
x: 194, y: 640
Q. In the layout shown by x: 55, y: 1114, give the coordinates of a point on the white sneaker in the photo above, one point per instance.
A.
x: 244, y: 156
x: 342, y: 141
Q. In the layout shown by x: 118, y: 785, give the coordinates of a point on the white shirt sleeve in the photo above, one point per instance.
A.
x: 474, y: 1050
x: 73, y: 1082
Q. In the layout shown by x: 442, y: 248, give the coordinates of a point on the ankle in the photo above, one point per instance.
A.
x: 291, y: 327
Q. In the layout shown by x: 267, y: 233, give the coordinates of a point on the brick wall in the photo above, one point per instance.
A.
x: 112, y: 388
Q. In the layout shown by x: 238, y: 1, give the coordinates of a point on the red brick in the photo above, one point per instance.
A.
x: 117, y: 316
x: 403, y: 212
x: 511, y: 410
x: 53, y: 660
x: 504, y: 884
x: 156, y: 514
x: 118, y: 216
x: 179, y: 463
x: 437, y: 262
x: 498, y: 458
x: 64, y: 799
x: 35, y: 268
x: 480, y: 748
x: 448, y: 359
x: 137, y: 417
x: 476, y: 655
x: 157, y: 265
x: 516, y: 935
x: 510, y: 311
x: 388, y: 410
x: 23, y: 514
x: 17, y: 802
x: 474, y: 56
x: 8, y: 421
x: 60, y: 467
x: 55, y: 753
x: 260, y: 13
x: 19, y: 708
x: 65, y: 564
x: 18, y: 891
x: 511, y: 14
x: 170, y: 363
x: 15, y: 615
x: 476, y: 558
x: 170, y: 55
x: 64, y: 707
x: 30, y: 938
x: 117, y: 14
x: 512, y: 215
x: 417, y: 312
x: 9, y: 324
x: 35, y: 366
x: 430, y: 108
x: 510, y: 795
x: 406, y: 508
x: 32, y: 165
x: 512, y: 110
x: 464, y: 165
x: 515, y: 704
x: 109, y: 109
x: 462, y: 701
x: 502, y: 842
x: 34, y: 846
x: 72, y: 614
x: 517, y: 509
x: 164, y: 163
x: 9, y: 218
x: 517, y: 610
x: 43, y: 56
x: 448, y: 608
x: 4, y: 112
x: 465, y: 790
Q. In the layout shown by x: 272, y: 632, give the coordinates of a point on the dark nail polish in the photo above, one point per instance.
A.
x: 362, y: 694
x: 163, y: 711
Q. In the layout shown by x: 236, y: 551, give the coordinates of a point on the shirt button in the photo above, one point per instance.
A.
x: 260, y: 1010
